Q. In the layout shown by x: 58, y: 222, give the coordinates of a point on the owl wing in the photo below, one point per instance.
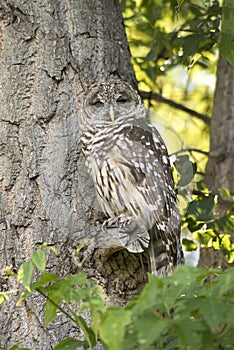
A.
x: 144, y: 160
x: 143, y: 157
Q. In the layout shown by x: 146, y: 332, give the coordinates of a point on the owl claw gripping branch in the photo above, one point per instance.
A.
x: 132, y: 236
x: 128, y: 162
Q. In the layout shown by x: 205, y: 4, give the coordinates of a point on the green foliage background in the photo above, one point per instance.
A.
x: 174, y: 47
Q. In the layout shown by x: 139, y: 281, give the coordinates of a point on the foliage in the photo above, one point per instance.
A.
x: 173, y: 45
x: 174, y: 53
x: 170, y: 33
x: 192, y: 309
x: 208, y: 228
x: 200, y: 217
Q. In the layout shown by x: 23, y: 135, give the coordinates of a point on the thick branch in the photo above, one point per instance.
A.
x: 157, y: 97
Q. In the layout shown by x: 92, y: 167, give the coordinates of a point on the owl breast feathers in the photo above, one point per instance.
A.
x: 130, y: 168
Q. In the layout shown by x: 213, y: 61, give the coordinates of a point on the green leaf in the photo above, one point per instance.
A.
x: 71, y: 344
x: 149, y: 328
x: 113, y: 327
x: 3, y: 297
x: 25, y: 274
x: 45, y: 278
x: 50, y: 308
x: 202, y: 208
x: 214, y: 311
x: 186, y: 170
x: 224, y: 224
x: 150, y: 11
x: 88, y: 332
x: 193, y: 224
x: 189, y: 245
x: 225, y: 193
x: 180, y: 2
x: 191, y: 43
x: 205, y: 237
x: 39, y: 259
x: 188, y: 332
x: 224, y: 283
x: 23, y: 296
x: 50, y: 248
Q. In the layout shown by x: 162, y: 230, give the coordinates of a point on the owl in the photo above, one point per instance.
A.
x: 130, y: 168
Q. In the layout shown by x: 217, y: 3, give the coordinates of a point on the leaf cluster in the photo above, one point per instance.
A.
x: 201, y: 218
x: 192, y: 309
x: 165, y: 33
x: 209, y: 228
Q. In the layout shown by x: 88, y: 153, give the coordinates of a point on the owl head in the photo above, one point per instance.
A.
x: 111, y: 102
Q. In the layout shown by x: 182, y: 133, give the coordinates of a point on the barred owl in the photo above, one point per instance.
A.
x: 128, y: 162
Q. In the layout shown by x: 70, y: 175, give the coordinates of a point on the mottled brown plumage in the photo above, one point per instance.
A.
x: 130, y: 168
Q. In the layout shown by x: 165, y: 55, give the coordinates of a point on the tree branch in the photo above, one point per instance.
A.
x: 190, y: 150
x: 157, y: 97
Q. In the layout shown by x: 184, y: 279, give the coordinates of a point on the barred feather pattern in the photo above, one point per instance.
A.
x: 130, y: 167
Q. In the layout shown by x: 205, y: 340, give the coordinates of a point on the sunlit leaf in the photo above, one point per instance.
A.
x: 225, y: 192
x: 180, y: 2
x: 39, y: 259
x: 25, y: 274
x: 3, y: 297
x: 189, y: 245
x: 202, y: 208
x: 223, y: 224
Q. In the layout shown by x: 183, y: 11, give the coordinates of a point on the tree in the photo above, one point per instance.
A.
x: 220, y: 164
x: 50, y: 52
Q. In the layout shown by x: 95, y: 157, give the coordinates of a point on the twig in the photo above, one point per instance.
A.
x: 157, y: 97
x: 190, y: 150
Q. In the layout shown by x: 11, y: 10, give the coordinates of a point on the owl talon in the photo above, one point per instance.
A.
x: 132, y: 235
x: 119, y: 221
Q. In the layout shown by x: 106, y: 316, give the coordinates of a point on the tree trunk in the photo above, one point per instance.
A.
x: 220, y: 166
x: 50, y: 51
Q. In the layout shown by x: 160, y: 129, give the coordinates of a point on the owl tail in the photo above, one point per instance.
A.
x: 164, y: 253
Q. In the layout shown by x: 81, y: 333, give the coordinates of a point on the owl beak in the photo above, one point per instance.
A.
x: 112, y: 115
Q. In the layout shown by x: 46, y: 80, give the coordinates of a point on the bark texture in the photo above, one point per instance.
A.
x: 220, y: 166
x: 50, y: 51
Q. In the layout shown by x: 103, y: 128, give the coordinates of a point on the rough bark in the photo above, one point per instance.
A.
x: 220, y: 166
x: 50, y: 51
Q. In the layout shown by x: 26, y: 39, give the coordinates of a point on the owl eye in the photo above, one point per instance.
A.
x: 98, y: 104
x: 122, y: 99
